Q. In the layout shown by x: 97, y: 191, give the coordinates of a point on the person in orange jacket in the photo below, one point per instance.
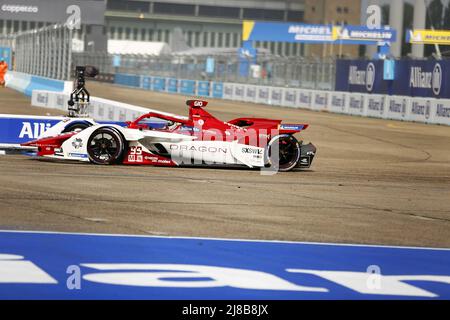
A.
x: 3, y: 70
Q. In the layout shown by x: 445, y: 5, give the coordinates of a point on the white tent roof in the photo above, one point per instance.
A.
x: 137, y: 47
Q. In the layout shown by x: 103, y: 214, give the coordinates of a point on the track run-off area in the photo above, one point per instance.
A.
x: 65, y: 226
x: 373, y: 182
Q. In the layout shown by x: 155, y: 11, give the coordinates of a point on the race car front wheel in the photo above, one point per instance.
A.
x: 105, y: 146
x: 283, y: 153
x: 77, y: 127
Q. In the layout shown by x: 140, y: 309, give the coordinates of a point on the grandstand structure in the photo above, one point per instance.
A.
x: 205, y: 23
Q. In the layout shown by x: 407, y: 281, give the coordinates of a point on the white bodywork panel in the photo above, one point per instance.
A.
x: 183, y: 149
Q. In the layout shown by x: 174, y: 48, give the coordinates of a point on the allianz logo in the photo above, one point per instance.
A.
x: 42, y: 98
x: 337, y: 101
x: 376, y: 105
x: 276, y: 95
x: 366, y: 282
x: 398, y: 107
x: 420, y: 109
x: 305, y: 98
x: 362, y: 77
x: 239, y: 91
x: 33, y: 130
x: 263, y: 93
x: 442, y: 111
x: 321, y: 99
x: 356, y: 103
x: 290, y: 96
x: 426, y: 80
x: 251, y: 92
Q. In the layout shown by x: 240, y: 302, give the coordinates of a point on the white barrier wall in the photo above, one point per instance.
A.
x: 375, y: 105
x: 397, y: 107
x: 357, y: 104
x: 100, y: 109
x: 305, y: 98
x: 426, y: 110
x: 289, y: 97
x: 420, y: 110
x: 337, y: 102
x: 320, y: 100
x: 440, y: 111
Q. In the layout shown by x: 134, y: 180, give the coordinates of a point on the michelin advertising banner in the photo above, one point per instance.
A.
x: 414, y: 78
x: 315, y: 33
x: 428, y: 37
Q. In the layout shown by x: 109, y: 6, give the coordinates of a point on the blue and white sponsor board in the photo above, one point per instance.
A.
x: 38, y: 265
x: 146, y: 83
x: 364, y: 35
x: 19, y: 129
x: 203, y: 88
x: 412, y: 78
x: 158, y: 84
x: 287, y: 32
x: 172, y: 85
x: 217, y: 90
x: 187, y: 87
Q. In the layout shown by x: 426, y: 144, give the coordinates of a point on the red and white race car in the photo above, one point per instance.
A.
x: 163, y: 139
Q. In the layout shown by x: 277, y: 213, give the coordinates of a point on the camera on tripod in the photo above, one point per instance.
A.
x: 80, y: 97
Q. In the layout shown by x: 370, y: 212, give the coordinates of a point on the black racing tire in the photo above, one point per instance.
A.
x: 77, y: 126
x: 289, y: 152
x: 106, y: 146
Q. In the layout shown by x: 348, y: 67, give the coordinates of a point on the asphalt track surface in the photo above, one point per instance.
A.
x: 373, y: 182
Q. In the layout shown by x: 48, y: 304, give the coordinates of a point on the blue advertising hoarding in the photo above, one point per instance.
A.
x: 364, y: 35
x: 286, y: 32
x: 217, y: 90
x: 46, y: 265
x: 187, y: 87
x: 172, y: 85
x: 159, y: 84
x: 415, y: 78
x: 203, y: 88
x: 315, y: 33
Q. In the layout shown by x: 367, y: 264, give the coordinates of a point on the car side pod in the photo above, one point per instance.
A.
x: 307, y: 154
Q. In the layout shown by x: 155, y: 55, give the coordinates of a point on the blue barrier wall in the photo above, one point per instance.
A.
x: 172, y: 85
x: 411, y: 78
x: 26, y: 83
x: 187, y: 87
x: 40, y: 83
x: 159, y: 84
x: 217, y: 90
x: 130, y: 80
x: 19, y: 129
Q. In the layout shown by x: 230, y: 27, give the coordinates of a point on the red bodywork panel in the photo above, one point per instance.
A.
x: 46, y: 146
x: 209, y: 128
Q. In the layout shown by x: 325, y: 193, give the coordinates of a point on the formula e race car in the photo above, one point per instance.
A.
x: 163, y: 139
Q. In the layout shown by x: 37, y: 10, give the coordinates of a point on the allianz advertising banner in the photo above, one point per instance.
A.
x: 413, y: 78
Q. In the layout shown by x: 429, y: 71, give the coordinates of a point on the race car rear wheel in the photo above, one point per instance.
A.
x: 288, y: 153
x: 105, y: 146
